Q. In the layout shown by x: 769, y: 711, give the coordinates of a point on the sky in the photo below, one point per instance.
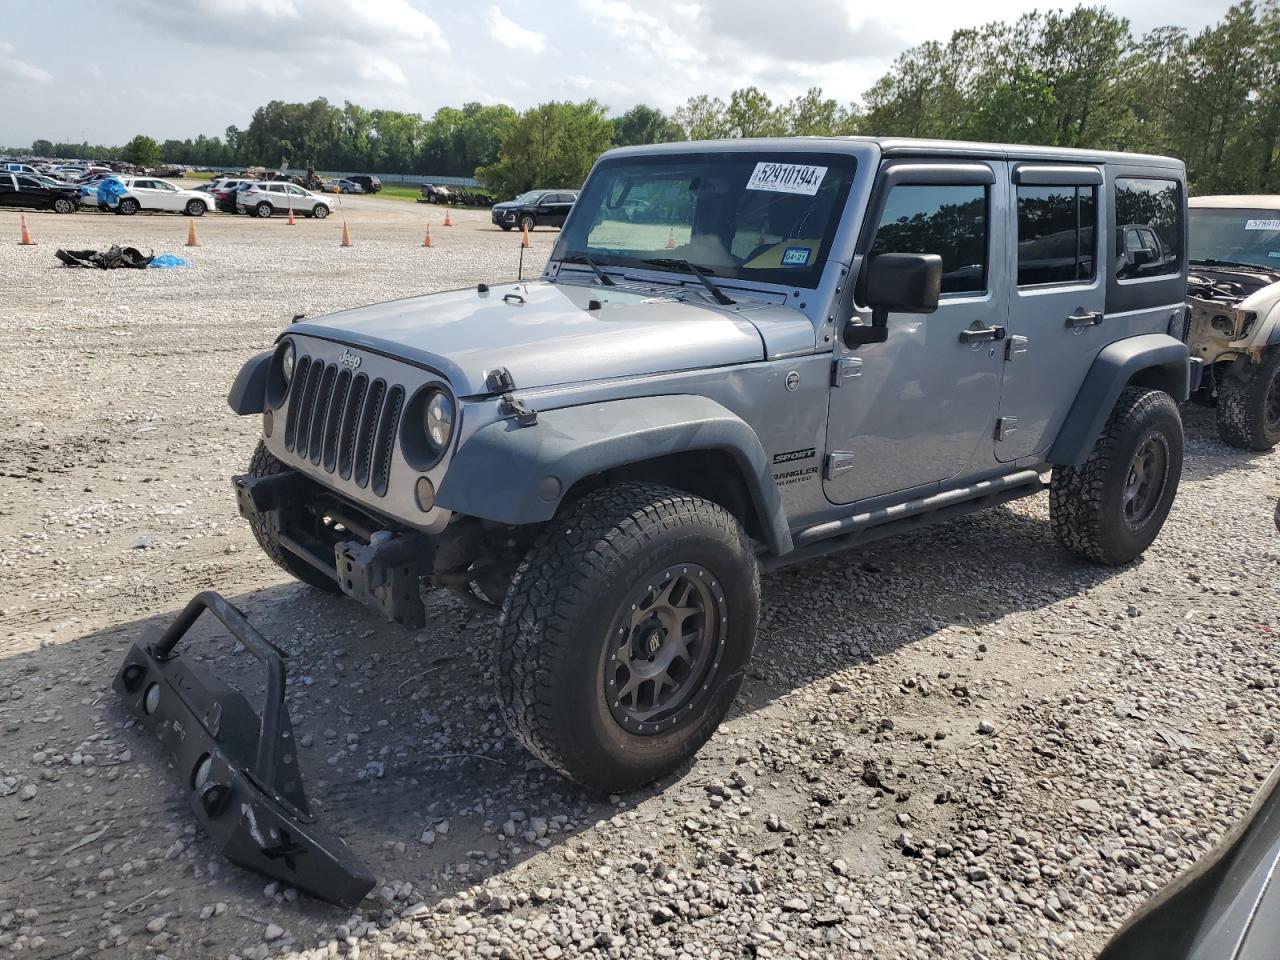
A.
x: 103, y: 70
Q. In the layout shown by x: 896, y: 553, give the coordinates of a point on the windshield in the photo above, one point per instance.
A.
x: 1240, y: 235
x: 529, y: 197
x: 751, y: 215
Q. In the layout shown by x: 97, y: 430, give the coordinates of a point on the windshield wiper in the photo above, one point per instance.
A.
x: 603, y: 277
x: 720, y: 296
x: 1215, y: 262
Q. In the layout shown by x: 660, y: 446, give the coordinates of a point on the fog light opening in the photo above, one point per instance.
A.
x: 425, y: 493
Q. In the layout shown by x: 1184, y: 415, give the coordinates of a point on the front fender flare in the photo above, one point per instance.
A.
x: 1152, y: 359
x: 249, y: 391
x: 519, y: 475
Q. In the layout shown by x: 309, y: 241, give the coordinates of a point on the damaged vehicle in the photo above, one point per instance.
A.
x: 805, y: 346
x: 1233, y: 290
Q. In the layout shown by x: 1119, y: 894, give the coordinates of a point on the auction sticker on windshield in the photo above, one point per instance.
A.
x: 1256, y: 224
x: 787, y: 178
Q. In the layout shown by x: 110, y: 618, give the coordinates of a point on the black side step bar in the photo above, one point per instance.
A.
x: 240, y: 769
x: 834, y: 535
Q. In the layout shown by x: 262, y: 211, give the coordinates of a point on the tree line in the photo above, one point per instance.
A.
x: 1077, y: 78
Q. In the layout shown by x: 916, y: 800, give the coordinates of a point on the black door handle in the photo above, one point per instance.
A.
x: 1085, y: 318
x: 976, y: 334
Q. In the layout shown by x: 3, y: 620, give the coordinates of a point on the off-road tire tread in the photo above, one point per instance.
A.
x: 1241, y: 420
x: 555, y: 578
x: 264, y: 464
x: 1076, y: 513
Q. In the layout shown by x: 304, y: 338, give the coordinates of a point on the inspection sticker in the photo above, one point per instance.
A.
x: 787, y: 178
x: 795, y: 256
x: 1260, y: 224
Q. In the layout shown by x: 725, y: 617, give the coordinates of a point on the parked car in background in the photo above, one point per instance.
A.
x: 436, y: 193
x: 21, y: 168
x: 149, y: 193
x: 37, y: 193
x: 224, y: 192
x: 1234, y: 295
x: 546, y: 208
x: 264, y: 198
x: 341, y: 185
x: 368, y: 183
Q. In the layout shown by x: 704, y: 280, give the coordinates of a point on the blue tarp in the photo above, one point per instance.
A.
x: 168, y: 260
x: 106, y: 192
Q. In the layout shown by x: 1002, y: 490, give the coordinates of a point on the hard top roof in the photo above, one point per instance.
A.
x: 906, y: 147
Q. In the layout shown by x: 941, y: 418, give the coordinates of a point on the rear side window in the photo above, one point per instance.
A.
x: 1057, y: 228
x: 951, y: 221
x: 1148, y: 240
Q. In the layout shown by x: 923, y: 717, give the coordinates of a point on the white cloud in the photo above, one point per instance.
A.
x: 294, y: 25
x: 510, y: 34
x: 95, y: 71
x: 381, y: 70
x: 15, y: 70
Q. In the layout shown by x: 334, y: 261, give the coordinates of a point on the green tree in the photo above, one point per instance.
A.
x: 42, y: 148
x: 551, y: 145
x: 703, y: 118
x: 645, y: 124
x: 143, y: 151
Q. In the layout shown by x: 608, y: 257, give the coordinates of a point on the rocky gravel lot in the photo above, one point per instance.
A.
x: 961, y: 744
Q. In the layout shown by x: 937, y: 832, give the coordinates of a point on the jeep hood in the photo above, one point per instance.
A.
x: 547, y: 334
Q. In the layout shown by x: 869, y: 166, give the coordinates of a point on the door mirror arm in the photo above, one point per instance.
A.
x: 894, y: 282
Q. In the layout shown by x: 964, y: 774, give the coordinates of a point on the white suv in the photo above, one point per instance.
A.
x: 264, y: 198
x: 148, y: 193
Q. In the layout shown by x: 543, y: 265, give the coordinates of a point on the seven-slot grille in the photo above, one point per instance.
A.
x: 344, y: 422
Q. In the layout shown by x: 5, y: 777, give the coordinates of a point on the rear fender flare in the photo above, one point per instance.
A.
x: 519, y: 475
x: 1154, y: 360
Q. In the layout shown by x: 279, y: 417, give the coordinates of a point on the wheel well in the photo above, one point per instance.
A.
x: 711, y: 474
x: 1169, y: 377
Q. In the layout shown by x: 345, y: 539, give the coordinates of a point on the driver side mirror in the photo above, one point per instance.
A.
x: 895, y: 283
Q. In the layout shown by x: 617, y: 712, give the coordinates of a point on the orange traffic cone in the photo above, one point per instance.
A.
x: 346, y: 235
x: 24, y: 238
x: 191, y: 234
x: 671, y: 239
x: 447, y: 221
x: 426, y: 241
x: 291, y: 220
x: 524, y: 241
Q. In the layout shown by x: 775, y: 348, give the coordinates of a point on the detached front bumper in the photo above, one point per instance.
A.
x: 383, y: 569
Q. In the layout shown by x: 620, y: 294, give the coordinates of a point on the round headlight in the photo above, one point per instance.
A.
x: 286, y: 362
x: 439, y: 420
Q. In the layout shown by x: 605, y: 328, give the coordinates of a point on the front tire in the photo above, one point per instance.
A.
x: 626, y: 633
x: 527, y: 222
x: 1249, y: 404
x: 264, y: 464
x: 63, y: 205
x: 196, y: 208
x: 1110, y: 508
x: 320, y: 211
x: 262, y: 210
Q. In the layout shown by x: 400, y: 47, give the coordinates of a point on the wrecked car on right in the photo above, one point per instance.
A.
x: 1233, y: 290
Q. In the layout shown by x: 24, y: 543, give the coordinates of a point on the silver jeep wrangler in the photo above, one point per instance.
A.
x: 740, y: 355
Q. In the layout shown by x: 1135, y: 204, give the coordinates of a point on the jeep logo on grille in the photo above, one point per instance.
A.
x: 349, y: 359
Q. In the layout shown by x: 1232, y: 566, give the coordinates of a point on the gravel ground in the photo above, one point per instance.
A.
x: 961, y: 744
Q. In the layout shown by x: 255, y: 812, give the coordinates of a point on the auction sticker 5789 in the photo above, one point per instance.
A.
x: 787, y: 178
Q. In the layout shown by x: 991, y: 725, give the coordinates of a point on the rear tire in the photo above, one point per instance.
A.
x: 127, y: 207
x: 196, y: 208
x: 626, y: 633
x: 264, y: 464
x: 1110, y: 508
x: 1249, y: 404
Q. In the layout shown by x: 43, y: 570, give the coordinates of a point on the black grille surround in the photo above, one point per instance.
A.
x: 343, y: 422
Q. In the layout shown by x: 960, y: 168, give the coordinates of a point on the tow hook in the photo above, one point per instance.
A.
x: 240, y: 770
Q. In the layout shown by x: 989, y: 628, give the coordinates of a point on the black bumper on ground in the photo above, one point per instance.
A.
x: 240, y: 770
x: 384, y: 571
